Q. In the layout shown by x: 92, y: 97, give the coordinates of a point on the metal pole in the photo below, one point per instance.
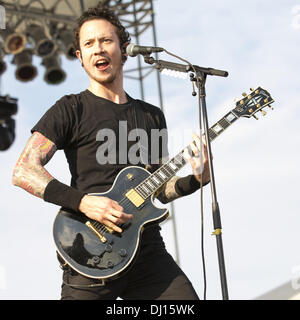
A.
x: 139, y: 57
x: 162, y: 107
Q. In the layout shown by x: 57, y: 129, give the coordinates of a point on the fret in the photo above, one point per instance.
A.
x: 212, y: 134
x: 153, y: 182
x: 156, y: 180
x: 169, y: 169
x: 161, y: 174
x: 173, y: 166
x: 224, y: 123
x: 149, y: 184
x: 165, y: 171
x: 217, y: 128
x: 230, y: 117
x: 182, y: 160
x: 158, y: 177
x: 144, y: 187
x: 142, y: 191
x: 179, y: 160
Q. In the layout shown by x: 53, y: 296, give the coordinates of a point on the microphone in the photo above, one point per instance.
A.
x: 133, y: 50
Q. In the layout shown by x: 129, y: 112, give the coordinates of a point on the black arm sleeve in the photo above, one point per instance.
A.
x: 187, y: 185
x: 63, y: 195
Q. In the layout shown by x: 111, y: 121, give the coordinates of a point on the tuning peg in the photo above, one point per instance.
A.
x: 263, y: 112
x: 270, y: 107
x: 244, y: 94
x: 251, y: 89
x: 236, y: 99
x: 255, y: 117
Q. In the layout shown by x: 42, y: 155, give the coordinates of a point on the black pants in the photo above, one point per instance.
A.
x: 153, y: 276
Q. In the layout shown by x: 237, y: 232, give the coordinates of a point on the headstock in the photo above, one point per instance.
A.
x: 253, y: 103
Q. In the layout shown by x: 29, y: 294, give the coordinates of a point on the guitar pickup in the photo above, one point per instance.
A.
x: 134, y: 197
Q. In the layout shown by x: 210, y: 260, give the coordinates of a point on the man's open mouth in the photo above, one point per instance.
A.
x: 102, y: 64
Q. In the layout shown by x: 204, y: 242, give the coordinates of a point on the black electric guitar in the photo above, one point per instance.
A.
x: 96, y: 251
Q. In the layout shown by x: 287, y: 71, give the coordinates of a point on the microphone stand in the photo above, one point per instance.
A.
x: 215, y: 206
x: 201, y: 75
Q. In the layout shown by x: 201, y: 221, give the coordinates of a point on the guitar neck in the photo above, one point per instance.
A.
x: 166, y: 171
x: 221, y: 125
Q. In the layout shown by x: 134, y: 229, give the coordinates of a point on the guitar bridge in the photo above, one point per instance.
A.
x: 134, y: 197
x: 96, y: 232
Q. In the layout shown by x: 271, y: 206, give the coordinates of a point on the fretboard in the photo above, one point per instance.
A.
x: 169, y: 169
x: 221, y: 125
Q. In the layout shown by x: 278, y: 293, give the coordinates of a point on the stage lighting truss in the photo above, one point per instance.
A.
x: 46, y: 27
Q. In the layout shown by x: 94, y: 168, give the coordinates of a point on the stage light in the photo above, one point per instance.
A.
x: 8, y: 107
x: 25, y: 71
x: 54, y: 73
x: 44, y: 46
x: 14, y: 42
x: 65, y: 39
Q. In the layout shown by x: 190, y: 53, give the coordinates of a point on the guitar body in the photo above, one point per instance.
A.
x: 92, y: 249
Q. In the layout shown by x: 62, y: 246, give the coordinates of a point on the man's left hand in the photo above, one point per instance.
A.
x: 199, y: 162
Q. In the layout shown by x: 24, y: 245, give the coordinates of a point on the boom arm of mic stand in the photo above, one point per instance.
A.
x: 162, y: 64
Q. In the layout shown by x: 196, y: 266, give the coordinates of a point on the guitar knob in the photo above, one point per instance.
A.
x: 108, y: 248
x: 95, y: 260
x: 123, y: 253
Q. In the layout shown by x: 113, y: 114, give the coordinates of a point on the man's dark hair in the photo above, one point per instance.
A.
x: 101, y: 12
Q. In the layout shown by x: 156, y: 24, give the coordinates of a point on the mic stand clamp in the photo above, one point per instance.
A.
x: 148, y: 59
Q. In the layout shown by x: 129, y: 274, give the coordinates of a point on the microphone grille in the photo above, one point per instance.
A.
x: 129, y: 50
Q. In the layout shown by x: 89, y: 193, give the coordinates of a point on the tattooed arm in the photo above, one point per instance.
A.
x: 29, y: 172
x: 167, y: 192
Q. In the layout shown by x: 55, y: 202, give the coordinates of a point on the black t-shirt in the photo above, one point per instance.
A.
x: 78, y: 125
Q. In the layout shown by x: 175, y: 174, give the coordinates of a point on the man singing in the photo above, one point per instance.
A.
x: 72, y: 124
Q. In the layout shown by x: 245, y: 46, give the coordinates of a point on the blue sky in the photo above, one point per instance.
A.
x: 256, y: 162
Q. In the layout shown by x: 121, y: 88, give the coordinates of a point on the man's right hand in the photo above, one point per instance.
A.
x: 104, y: 210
